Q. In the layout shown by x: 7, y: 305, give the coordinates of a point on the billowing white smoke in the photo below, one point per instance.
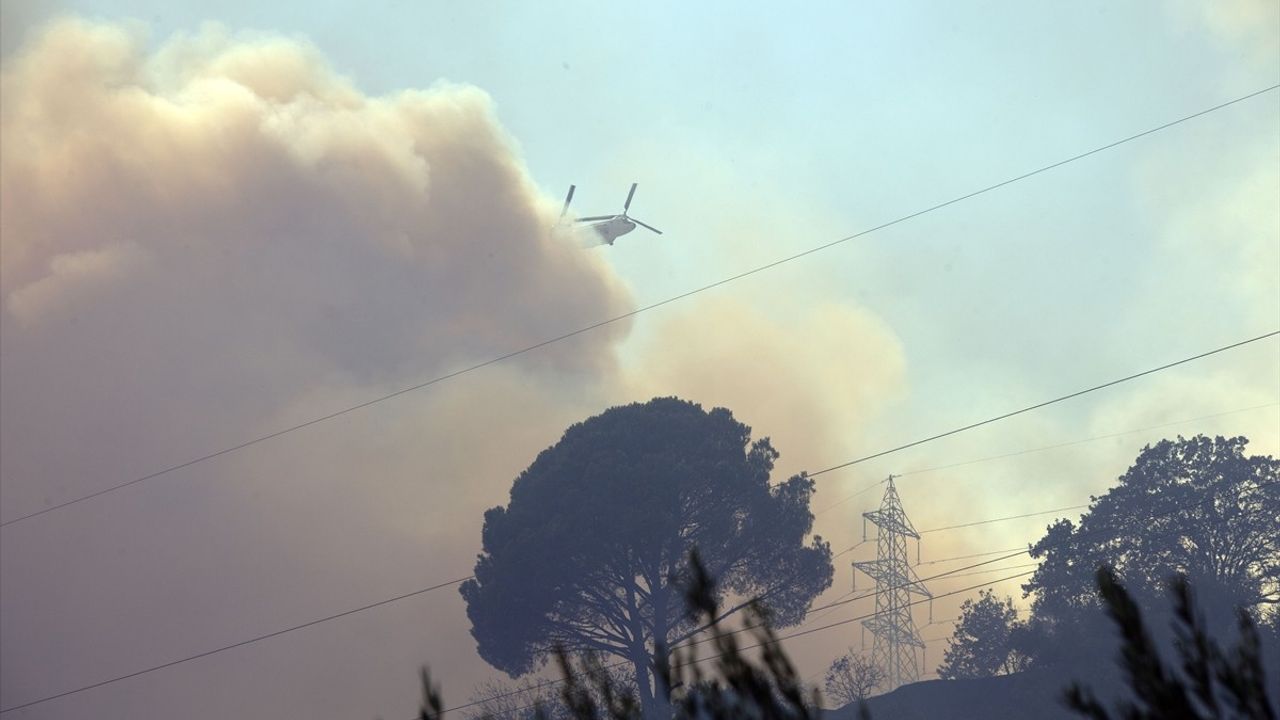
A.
x: 194, y: 237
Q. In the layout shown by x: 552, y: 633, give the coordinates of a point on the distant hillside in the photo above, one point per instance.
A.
x: 1009, y: 697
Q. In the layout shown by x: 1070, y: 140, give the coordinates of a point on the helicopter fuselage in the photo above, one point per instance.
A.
x: 613, y: 228
x: 608, y: 227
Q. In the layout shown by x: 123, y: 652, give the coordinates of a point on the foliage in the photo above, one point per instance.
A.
x: 737, y: 687
x: 432, y: 705
x: 851, y: 678
x: 1211, y: 684
x: 1195, y: 506
x: 598, y: 528
x: 526, y: 700
x: 1208, y: 683
x: 982, y: 645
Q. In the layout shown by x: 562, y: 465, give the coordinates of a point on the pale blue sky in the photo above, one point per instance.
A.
x: 850, y: 113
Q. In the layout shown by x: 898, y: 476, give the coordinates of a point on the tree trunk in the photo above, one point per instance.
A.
x: 644, y: 688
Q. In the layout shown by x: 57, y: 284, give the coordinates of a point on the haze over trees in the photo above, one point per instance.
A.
x: 982, y: 643
x: 1198, y: 507
x: 591, y: 550
x: 683, y: 477
x: 1208, y: 681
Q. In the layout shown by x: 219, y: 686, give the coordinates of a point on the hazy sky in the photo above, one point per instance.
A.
x: 220, y: 219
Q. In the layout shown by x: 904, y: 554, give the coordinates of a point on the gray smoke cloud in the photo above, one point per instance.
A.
x: 221, y: 237
x: 227, y: 218
x: 18, y: 18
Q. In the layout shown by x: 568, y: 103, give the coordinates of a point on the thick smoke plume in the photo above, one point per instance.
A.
x: 228, y: 218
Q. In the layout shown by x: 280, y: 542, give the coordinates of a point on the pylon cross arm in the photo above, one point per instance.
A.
x: 915, y: 587
x: 884, y: 628
x: 876, y: 571
x: 892, y: 522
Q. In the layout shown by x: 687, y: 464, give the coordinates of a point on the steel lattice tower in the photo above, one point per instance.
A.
x: 893, y: 629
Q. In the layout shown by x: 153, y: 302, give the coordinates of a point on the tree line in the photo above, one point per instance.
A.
x: 589, y: 567
x: 1198, y: 508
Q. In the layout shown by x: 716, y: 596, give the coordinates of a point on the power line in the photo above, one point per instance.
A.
x: 830, y: 606
x: 1089, y: 439
x: 991, y: 570
x: 966, y: 557
x: 1037, y: 406
x: 773, y: 641
x: 242, y: 643
x: 975, y: 523
x: 1014, y: 552
x: 839, y: 623
x: 988, y: 521
x: 1100, y: 531
x: 278, y: 633
x: 955, y: 572
x: 836, y: 604
x: 822, y: 609
x: 849, y: 549
x: 691, y: 643
x: 609, y: 321
x: 1081, y: 441
x: 827, y: 607
x: 842, y: 601
x: 385, y: 602
x: 847, y: 498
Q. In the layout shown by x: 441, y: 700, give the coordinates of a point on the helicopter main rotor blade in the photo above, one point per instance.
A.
x: 627, y: 205
x: 643, y: 225
x: 593, y: 218
x: 567, y: 200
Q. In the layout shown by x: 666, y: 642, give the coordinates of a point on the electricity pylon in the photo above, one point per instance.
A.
x: 893, y: 629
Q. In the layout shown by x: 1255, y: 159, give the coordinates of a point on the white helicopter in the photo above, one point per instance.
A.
x: 610, y: 227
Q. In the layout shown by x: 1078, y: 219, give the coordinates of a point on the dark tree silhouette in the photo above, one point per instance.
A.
x: 525, y: 700
x: 982, y: 645
x: 733, y: 686
x: 1195, y: 506
x: 851, y: 678
x: 1208, y: 683
x: 599, y: 527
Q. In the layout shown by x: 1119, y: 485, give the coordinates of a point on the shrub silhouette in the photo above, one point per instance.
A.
x: 1208, y: 683
x: 737, y: 686
x: 1213, y: 684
